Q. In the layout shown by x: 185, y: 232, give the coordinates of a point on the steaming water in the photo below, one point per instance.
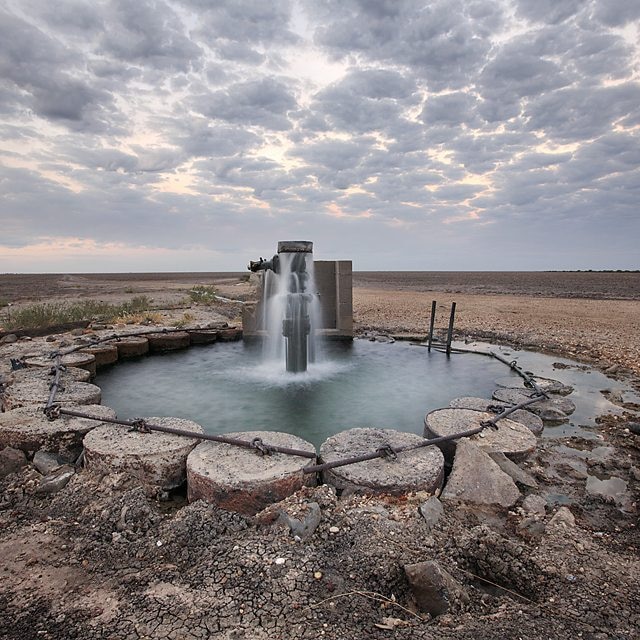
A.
x: 228, y: 387
x: 292, y: 294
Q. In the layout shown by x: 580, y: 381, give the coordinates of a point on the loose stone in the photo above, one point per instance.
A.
x: 476, y: 478
x: 434, y: 589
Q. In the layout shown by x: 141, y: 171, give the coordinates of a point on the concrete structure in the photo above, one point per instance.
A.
x: 28, y: 429
x: 420, y: 469
x: 35, y: 393
x: 334, y: 284
x: 511, y: 438
x: 528, y: 419
x: 241, y: 480
x: 158, y: 460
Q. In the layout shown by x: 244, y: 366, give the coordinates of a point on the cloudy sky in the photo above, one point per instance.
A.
x: 178, y: 135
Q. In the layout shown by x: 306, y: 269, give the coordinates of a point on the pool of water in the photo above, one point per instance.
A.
x: 226, y: 387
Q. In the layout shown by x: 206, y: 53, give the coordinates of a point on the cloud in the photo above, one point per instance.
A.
x: 369, y: 126
x: 264, y: 102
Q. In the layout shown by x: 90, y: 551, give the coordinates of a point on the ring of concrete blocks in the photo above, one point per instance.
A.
x: 237, y: 479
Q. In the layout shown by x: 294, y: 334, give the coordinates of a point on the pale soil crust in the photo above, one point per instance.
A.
x: 100, y: 559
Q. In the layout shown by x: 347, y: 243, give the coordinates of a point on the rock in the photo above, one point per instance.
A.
x: 11, y: 461
x: 535, y: 504
x: 55, y: 481
x: 563, y: 518
x: 512, y: 469
x: 304, y: 528
x: 10, y: 338
x: 634, y: 427
x: 46, y: 462
x: 420, y: 469
x: 476, y: 478
x: 434, y: 589
x: 431, y: 511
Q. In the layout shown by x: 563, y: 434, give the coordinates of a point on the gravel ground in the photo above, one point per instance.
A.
x: 604, y: 332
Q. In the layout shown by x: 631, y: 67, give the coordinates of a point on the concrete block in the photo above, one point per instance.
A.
x: 157, y: 460
x: 241, y: 480
x: 36, y: 393
x: 511, y: 438
x: 168, y: 341
x: 132, y: 347
x: 416, y: 470
x: 105, y: 354
x: 28, y: 429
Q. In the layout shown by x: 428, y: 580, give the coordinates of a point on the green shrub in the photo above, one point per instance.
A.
x: 52, y: 313
x: 202, y: 294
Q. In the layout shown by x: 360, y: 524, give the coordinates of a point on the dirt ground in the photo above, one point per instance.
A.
x: 102, y: 559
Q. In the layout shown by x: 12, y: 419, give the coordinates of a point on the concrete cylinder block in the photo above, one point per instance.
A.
x: 241, y: 480
x: 203, y: 336
x: 104, y: 354
x: 420, y: 469
x: 36, y: 393
x: 132, y: 347
x: 229, y: 335
x: 552, y: 410
x: 511, y: 438
x: 74, y: 374
x: 528, y: 419
x: 28, y: 429
x: 158, y: 460
x: 76, y: 359
x: 168, y: 341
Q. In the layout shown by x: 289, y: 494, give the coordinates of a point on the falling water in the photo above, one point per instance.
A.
x: 292, y: 312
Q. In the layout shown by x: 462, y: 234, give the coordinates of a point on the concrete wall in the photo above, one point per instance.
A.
x: 334, y: 283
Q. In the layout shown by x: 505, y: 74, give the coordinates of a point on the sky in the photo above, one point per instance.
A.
x: 193, y: 135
